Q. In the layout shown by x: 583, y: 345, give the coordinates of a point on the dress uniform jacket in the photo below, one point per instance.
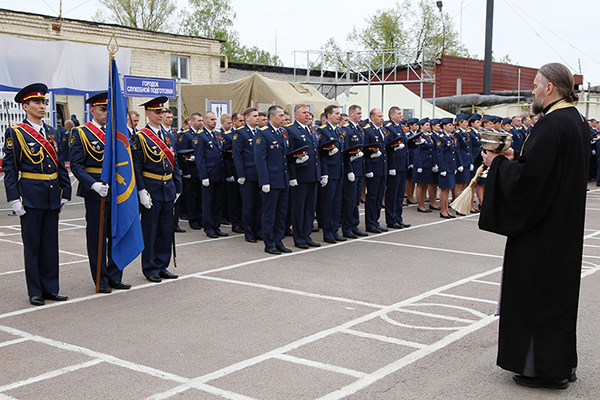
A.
x: 209, y: 157
x: 351, y: 191
x: 331, y: 195
x: 332, y: 166
x: 425, y: 159
x: 243, y: 153
x: 379, y: 167
x: 446, y: 159
x: 463, y: 154
x: 396, y: 184
x: 353, y: 135
x: 309, y: 171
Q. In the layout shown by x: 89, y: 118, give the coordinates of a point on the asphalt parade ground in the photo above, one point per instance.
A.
x: 406, y: 314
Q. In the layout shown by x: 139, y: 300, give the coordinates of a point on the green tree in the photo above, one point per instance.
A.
x: 215, y: 19
x: 152, y: 15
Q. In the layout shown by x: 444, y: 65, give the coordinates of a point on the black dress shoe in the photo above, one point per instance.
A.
x: 445, y: 216
x: 258, y: 237
x: 382, y: 229
x: 350, y: 235
x: 423, y: 211
x: 54, y: 296
x: 329, y: 240
x: 434, y: 208
x: 36, y: 300
x: 313, y: 244
x: 405, y: 225
x: 394, y: 225
x: 221, y: 233
x: 272, y: 250
x: 452, y: 216
x: 212, y: 235
x: 373, y: 230
x: 195, y: 225
x: 167, y: 275
x: 250, y: 239
x: 154, y: 278
x: 119, y: 285
x: 288, y: 232
x: 541, y: 383
x: 104, y: 288
x: 225, y: 222
x: 358, y: 232
x: 176, y: 228
x: 283, y: 249
x: 411, y: 202
x: 237, y: 229
x: 460, y: 214
x: 339, y: 239
x: 301, y: 245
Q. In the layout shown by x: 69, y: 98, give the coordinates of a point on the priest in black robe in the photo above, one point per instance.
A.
x: 537, y: 200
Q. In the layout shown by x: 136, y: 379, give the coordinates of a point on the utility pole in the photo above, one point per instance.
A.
x: 487, y: 63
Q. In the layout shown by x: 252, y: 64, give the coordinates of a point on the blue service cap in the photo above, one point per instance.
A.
x: 412, y: 121
x: 475, y: 117
x: 507, y: 121
x: 488, y: 117
x: 403, y: 121
x: 445, y: 121
x: 99, y: 99
x: 497, y: 119
x: 462, y: 116
x: 156, y: 104
x: 33, y: 91
x: 423, y: 121
x: 435, y: 121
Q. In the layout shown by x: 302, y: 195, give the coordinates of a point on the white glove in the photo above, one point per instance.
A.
x: 351, y: 176
x: 471, y: 167
x: 376, y: 154
x: 356, y: 156
x: 333, y: 151
x: 461, y: 168
x: 191, y: 158
x: 443, y: 173
x: 266, y: 188
x: 593, y: 152
x: 145, y: 198
x: 230, y: 179
x: 435, y: 169
x: 241, y: 180
x: 324, y: 180
x: 294, y: 182
x: 205, y: 182
x: 392, y: 172
x: 302, y: 159
x: 188, y: 176
x: 63, y: 203
x: 177, y: 196
x: 100, y: 188
x: 410, y: 166
x: 420, y: 141
x: 401, y: 146
x: 419, y: 170
x: 17, y: 207
x: 369, y: 175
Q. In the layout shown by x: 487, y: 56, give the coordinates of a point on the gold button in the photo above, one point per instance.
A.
x: 51, y: 186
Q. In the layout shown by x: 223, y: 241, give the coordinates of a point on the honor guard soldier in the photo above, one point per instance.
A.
x: 332, y: 171
x: 37, y: 188
x: 232, y: 188
x: 87, y: 152
x: 270, y: 157
x: 159, y: 184
x: 305, y: 173
x: 208, y: 149
x: 376, y: 170
x: 354, y: 169
x: 243, y: 159
x: 189, y: 171
x: 447, y: 164
x: 397, y: 155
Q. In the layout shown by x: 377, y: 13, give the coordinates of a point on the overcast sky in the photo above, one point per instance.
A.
x: 531, y: 32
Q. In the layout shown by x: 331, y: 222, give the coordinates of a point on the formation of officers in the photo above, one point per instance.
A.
x: 263, y: 174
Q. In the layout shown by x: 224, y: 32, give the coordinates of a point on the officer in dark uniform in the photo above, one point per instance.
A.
x: 354, y: 171
x: 166, y: 126
x: 233, y: 195
x: 87, y: 152
x: 209, y: 160
x: 158, y: 182
x: 37, y: 188
x: 446, y: 149
x: 270, y: 151
x: 332, y: 171
x: 413, y: 129
x: 397, y: 155
x: 243, y: 159
x: 305, y: 173
x: 464, y: 156
x: 189, y: 171
x: 376, y: 170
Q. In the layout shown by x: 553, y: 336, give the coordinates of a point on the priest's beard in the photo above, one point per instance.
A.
x: 537, y: 106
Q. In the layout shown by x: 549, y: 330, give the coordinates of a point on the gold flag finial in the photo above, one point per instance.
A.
x: 112, y: 45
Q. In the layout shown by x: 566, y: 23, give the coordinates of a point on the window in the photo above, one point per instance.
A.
x: 180, y: 67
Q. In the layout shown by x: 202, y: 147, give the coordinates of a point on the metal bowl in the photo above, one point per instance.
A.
x: 496, y: 141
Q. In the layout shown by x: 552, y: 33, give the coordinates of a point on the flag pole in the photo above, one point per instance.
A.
x: 112, y: 49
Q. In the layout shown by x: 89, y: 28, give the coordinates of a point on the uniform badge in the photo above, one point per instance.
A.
x: 258, y: 141
x: 344, y: 133
x: 9, y: 142
x: 439, y: 143
x: 167, y: 140
x: 196, y: 141
x: 235, y: 136
x: 180, y: 138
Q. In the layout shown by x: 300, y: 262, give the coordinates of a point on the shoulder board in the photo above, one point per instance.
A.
x: 388, y: 124
x: 264, y: 127
x: 367, y: 126
x: 441, y: 135
x: 228, y: 132
x: 346, y: 124
x: 290, y: 124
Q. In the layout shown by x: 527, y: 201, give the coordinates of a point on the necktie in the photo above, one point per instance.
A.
x: 42, y: 132
x: 103, y: 129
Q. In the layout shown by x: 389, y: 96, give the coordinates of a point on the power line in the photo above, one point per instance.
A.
x: 49, y: 6
x: 85, y: 2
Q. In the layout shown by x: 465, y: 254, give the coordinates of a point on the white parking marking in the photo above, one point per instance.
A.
x: 470, y: 253
x: 14, y: 341
x: 486, y: 282
x: 382, y: 338
x: 466, y: 298
x: 319, y: 365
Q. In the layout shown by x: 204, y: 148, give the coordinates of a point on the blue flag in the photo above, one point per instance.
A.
x: 118, y: 172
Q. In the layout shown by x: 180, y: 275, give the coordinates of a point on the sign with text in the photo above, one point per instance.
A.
x: 137, y: 86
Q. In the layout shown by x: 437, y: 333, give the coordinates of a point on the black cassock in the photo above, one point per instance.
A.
x: 538, y: 202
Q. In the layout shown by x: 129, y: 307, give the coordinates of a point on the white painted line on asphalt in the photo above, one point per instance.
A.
x: 14, y: 341
x: 223, y: 393
x: 591, y: 245
x: 591, y: 235
x: 455, y: 296
x: 292, y: 291
x: 438, y: 316
x: 382, y: 338
x: 320, y: 365
x: 6, y: 397
x: 231, y: 236
x: 49, y: 375
x: 98, y: 356
x: 470, y: 253
x: 60, y: 251
x: 12, y: 272
x: 592, y: 209
x: 392, y: 321
x: 487, y: 282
